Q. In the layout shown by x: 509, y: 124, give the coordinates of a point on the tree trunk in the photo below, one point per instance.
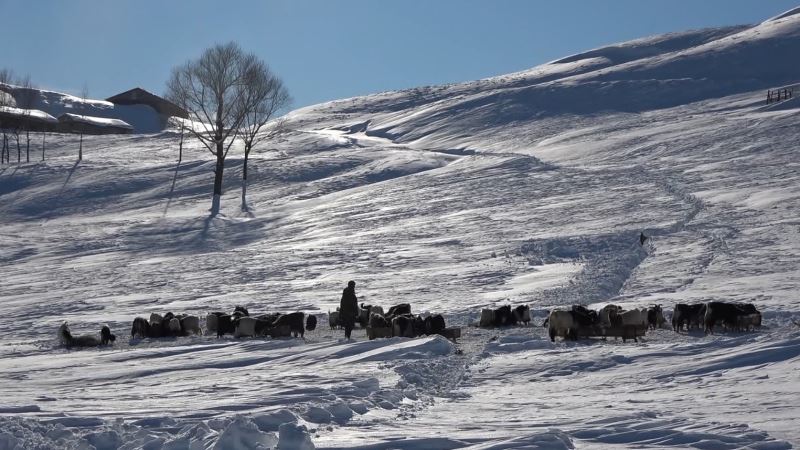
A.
x: 180, y: 147
x: 3, y: 150
x: 80, y: 149
x: 27, y: 146
x: 215, y: 204
x: 19, y: 151
x: 244, y: 177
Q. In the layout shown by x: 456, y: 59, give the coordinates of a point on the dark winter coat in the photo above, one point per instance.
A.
x: 348, y: 309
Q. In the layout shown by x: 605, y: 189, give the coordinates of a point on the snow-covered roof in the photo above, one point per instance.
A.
x: 139, y: 96
x: 30, y: 113
x: 95, y: 121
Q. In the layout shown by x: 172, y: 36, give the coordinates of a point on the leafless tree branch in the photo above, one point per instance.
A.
x: 219, y: 89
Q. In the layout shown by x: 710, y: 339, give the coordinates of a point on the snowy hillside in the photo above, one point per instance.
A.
x: 527, y: 188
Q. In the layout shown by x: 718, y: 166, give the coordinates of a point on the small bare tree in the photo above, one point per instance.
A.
x: 84, y: 96
x: 16, y: 131
x: 266, y: 95
x: 214, y: 87
x: 6, y: 77
x: 182, y: 121
x: 26, y: 98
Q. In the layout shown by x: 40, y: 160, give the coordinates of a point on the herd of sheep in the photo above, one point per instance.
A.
x: 578, y: 321
x: 612, y: 320
x: 398, y: 319
x: 239, y: 323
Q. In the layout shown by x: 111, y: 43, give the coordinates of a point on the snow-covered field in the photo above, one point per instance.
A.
x: 526, y: 188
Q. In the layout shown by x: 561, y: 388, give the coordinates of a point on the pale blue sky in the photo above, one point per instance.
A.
x: 329, y: 49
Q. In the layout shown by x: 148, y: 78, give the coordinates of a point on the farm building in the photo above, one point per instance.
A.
x: 138, y: 96
x: 28, y: 119
x: 74, y: 123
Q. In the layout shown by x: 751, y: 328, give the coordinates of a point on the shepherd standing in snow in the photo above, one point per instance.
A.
x: 348, y: 309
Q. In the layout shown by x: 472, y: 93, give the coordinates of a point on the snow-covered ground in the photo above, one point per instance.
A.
x: 527, y: 188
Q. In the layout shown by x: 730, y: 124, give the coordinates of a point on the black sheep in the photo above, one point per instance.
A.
x: 270, y: 317
x: 225, y: 325
x: 378, y: 321
x: 419, y: 326
x: 503, y: 316
x: 140, y: 328
x: 311, y: 322
x: 655, y: 316
x: 294, y: 321
x: 434, y: 324
x: 584, y: 316
x: 523, y: 314
x: 403, y: 325
x: 363, y: 315
x: 106, y: 337
x: 397, y: 310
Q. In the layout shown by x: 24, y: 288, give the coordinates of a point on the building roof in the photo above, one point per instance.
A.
x: 138, y: 96
x: 95, y: 121
x: 29, y: 114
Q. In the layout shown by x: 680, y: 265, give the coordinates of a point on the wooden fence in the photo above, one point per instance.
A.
x: 778, y: 95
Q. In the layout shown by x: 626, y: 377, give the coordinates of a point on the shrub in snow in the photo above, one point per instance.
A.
x: 359, y: 407
x: 273, y: 421
x: 340, y: 412
x: 294, y: 437
x: 243, y: 434
x: 315, y: 414
x: 105, y: 440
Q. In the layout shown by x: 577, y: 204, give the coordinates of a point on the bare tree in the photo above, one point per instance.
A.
x: 26, y: 99
x: 266, y: 95
x: 17, y: 124
x: 214, y: 87
x: 84, y: 96
x: 6, y: 76
x: 16, y: 131
x: 180, y: 142
x: 178, y: 97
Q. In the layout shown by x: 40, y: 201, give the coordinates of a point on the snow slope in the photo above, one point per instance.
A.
x: 526, y: 188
